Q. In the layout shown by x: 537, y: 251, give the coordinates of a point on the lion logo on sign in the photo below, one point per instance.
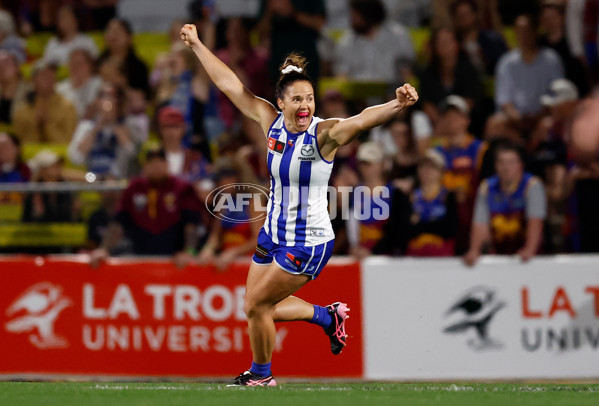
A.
x: 35, y: 311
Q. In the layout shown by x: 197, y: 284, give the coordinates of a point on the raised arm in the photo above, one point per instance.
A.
x: 480, y: 232
x: 335, y: 132
x: 256, y: 108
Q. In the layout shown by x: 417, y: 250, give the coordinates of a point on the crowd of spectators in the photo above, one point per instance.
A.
x: 482, y: 164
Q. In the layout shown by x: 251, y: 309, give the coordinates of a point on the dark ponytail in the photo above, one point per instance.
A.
x: 292, y: 70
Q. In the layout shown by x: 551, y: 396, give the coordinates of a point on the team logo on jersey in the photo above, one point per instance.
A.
x: 307, y: 152
x: 275, y: 145
x: 140, y: 201
x: 169, y: 202
x: 317, y: 232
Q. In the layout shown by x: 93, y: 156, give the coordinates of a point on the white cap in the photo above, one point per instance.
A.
x: 456, y: 102
x: 7, y: 23
x: 434, y: 157
x: 43, y: 159
x: 561, y: 91
x: 370, y: 152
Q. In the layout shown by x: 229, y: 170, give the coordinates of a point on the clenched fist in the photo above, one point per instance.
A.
x: 406, y: 95
x: 189, y: 35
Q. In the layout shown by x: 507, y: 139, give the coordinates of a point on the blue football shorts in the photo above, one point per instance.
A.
x: 297, y: 260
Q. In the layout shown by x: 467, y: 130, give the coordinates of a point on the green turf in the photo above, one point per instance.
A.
x: 349, y: 394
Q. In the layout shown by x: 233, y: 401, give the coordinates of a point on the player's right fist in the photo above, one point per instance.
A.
x: 189, y: 35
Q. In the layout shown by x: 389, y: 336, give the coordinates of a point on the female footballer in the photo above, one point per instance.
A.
x: 296, y: 240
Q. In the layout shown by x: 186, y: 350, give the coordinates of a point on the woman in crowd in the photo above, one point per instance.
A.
x: 405, y: 154
x: 119, y: 49
x: 13, y: 88
x: 82, y: 86
x: 12, y: 168
x: 181, y: 88
x: 107, y: 143
x: 449, y: 72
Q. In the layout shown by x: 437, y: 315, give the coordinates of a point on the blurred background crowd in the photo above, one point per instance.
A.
x: 103, y: 92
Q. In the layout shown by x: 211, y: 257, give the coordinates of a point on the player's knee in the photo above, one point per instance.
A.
x: 253, y: 308
x: 247, y: 307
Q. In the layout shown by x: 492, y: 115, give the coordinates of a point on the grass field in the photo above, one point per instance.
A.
x: 349, y: 394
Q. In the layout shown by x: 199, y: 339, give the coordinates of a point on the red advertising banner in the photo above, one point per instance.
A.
x: 132, y: 318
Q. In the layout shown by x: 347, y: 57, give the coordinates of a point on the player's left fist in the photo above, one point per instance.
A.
x: 406, y: 95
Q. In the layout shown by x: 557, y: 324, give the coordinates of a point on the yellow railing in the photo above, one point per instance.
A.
x: 43, y: 235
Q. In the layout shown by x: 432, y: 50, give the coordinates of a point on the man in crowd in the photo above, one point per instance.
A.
x: 510, y: 210
x: 484, y: 47
x: 552, y: 21
x: 158, y: 212
x: 549, y: 158
x: 430, y: 218
x: 375, y: 48
x: 186, y: 163
x: 524, y: 74
x: 463, y: 159
x: 9, y: 41
x: 50, y: 207
x: 45, y: 116
x: 548, y: 143
x: 292, y: 25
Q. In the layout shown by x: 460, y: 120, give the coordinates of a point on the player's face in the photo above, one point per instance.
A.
x: 298, y: 106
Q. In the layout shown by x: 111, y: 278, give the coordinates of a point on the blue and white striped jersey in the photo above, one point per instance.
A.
x: 299, y: 178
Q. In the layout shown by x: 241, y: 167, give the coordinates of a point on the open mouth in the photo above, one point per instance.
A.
x: 302, y: 118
